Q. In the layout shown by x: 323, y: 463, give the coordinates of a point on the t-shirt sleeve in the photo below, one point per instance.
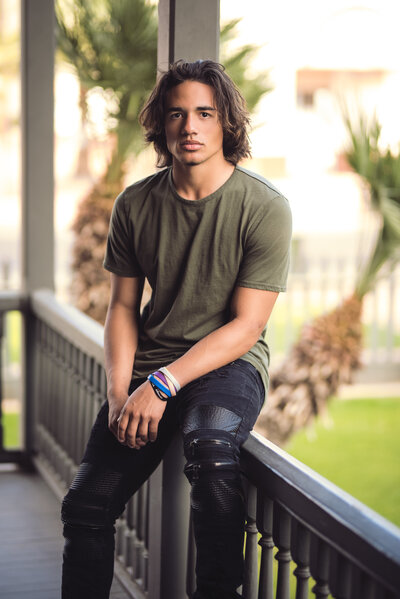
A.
x: 266, y: 255
x: 120, y: 257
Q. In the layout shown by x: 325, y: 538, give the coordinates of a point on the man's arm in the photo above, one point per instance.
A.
x: 120, y: 341
x: 250, y: 311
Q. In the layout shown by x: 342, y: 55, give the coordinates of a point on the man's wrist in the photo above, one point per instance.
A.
x: 117, y: 394
x: 163, y: 383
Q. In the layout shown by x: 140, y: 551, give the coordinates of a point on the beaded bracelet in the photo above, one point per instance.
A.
x: 164, y: 384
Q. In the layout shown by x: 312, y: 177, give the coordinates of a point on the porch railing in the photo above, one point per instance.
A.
x: 294, y: 516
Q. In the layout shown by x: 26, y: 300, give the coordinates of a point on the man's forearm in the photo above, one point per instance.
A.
x: 218, y: 348
x: 120, y: 343
x: 250, y: 309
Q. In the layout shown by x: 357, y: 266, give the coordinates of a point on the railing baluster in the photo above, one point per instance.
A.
x: 251, y: 553
x: 137, y: 539
x: 264, y: 525
x: 129, y: 547
x: 281, y: 535
x: 59, y: 398
x: 81, y: 441
x: 74, y: 402
x: 141, y: 528
x: 191, y: 562
x: 368, y: 588
x: 99, y: 396
x: 65, y: 410
x: 53, y: 384
x: 120, y: 526
x: 340, y: 576
x: 146, y: 539
x: 58, y: 389
x: 319, y: 567
x: 46, y: 376
x: 89, y: 398
x: 70, y: 426
x: 300, y: 547
x: 38, y: 380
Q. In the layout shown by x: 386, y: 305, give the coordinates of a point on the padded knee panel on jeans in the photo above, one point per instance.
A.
x: 89, y: 511
x: 90, y: 502
x: 213, y: 471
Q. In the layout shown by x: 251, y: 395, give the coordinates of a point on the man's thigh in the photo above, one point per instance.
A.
x: 228, y: 399
x: 111, y: 472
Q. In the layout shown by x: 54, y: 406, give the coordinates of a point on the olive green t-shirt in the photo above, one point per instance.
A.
x: 194, y: 254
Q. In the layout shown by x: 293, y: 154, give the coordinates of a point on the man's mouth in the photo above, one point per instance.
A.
x: 190, y: 145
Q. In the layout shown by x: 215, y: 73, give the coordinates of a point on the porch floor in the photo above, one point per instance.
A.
x: 31, y: 538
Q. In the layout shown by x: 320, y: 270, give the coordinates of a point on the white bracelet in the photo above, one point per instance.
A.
x: 173, y: 380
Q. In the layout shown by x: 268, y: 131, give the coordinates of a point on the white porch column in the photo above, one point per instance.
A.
x: 37, y: 75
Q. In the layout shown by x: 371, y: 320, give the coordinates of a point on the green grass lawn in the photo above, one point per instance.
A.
x: 359, y: 451
x: 11, y: 436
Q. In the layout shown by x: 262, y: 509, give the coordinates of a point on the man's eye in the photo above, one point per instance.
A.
x: 175, y: 115
x: 205, y: 114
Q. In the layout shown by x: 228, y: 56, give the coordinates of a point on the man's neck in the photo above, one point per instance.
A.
x: 199, y: 181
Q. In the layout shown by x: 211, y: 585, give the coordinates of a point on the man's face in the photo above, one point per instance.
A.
x: 192, y: 127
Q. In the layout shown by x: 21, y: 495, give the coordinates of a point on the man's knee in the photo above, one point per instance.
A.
x: 92, y: 499
x: 212, y: 468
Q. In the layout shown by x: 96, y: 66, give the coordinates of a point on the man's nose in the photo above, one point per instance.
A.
x: 189, y: 124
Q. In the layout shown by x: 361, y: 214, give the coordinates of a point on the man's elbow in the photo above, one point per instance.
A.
x: 251, y: 330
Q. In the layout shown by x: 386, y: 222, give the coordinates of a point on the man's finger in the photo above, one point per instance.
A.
x: 153, y: 430
x: 122, y: 421
x: 131, y: 432
x: 142, y: 432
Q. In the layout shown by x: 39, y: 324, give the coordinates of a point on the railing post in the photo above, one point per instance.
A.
x: 1, y: 382
x: 169, y: 508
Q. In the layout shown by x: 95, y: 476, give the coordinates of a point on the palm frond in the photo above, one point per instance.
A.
x: 380, y: 170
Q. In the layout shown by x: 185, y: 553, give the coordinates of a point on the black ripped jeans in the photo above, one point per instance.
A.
x: 215, y: 414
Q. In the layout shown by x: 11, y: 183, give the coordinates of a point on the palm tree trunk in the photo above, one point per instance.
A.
x: 90, y: 282
x: 326, y: 356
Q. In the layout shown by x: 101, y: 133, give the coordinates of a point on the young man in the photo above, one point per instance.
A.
x: 213, y: 241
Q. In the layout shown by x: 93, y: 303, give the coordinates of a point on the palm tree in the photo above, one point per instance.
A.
x: 329, y: 349
x: 113, y: 45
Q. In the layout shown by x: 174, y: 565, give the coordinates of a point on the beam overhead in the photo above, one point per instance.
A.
x: 188, y: 30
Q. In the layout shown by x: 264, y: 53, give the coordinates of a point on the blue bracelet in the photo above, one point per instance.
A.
x: 157, y: 384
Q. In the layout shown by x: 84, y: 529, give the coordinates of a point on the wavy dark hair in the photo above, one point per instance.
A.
x: 230, y: 104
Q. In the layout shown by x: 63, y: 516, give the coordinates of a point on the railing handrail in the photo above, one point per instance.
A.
x: 77, y: 327
x: 342, y: 521
x: 12, y: 300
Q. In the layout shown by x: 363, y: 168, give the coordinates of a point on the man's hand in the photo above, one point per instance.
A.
x: 135, y: 422
x: 115, y: 405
